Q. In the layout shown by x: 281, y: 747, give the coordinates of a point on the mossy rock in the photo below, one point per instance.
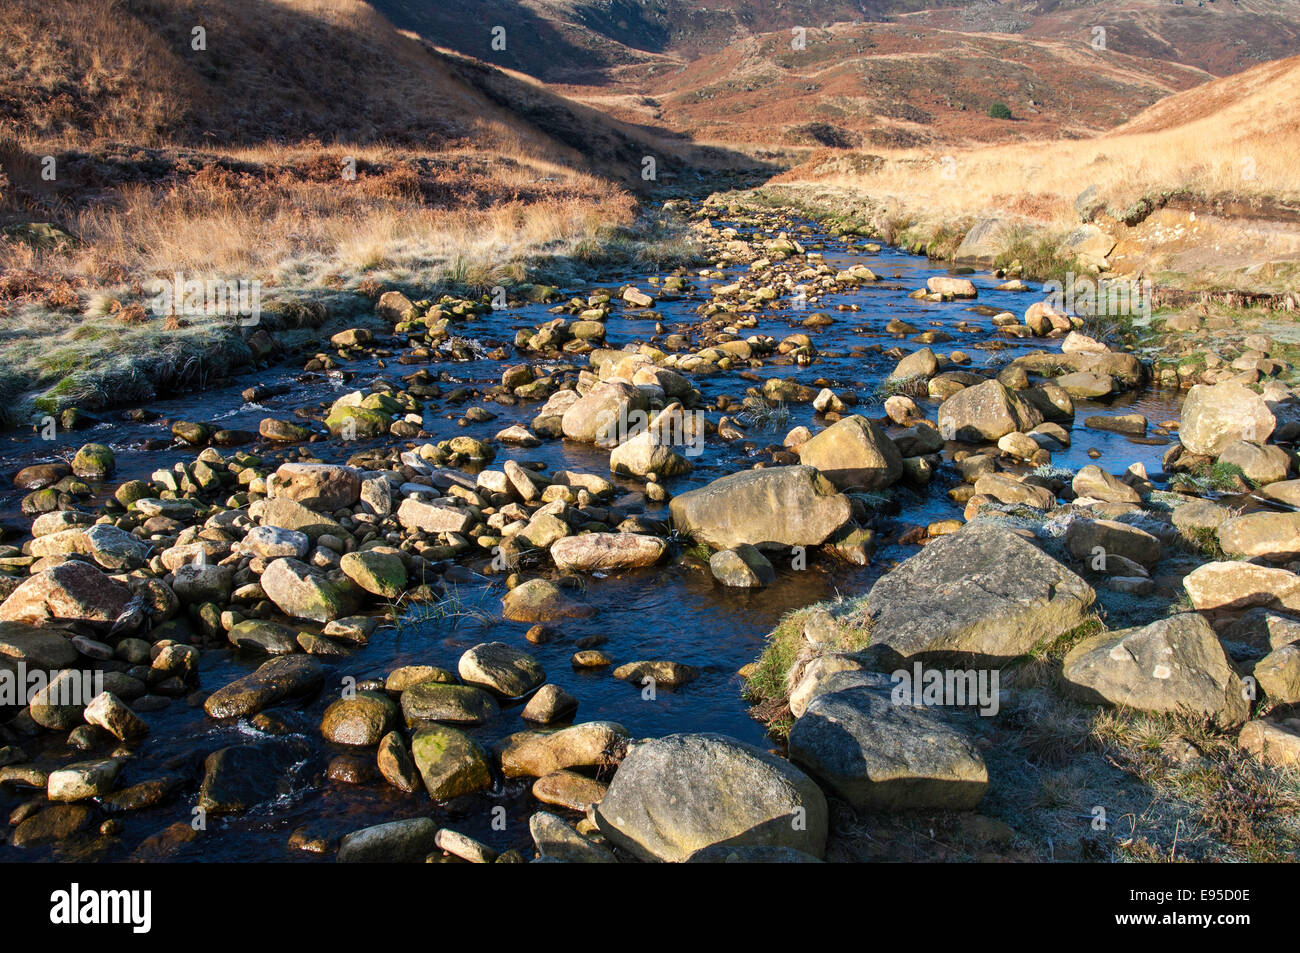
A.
x: 94, y: 461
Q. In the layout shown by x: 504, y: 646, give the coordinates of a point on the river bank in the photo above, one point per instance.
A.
x: 420, y: 598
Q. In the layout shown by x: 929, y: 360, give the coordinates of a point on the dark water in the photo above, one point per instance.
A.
x: 675, y: 613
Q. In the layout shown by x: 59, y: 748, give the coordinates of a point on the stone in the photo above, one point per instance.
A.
x: 1278, y: 674
x: 854, y: 453
x: 956, y: 287
x: 664, y: 674
x: 303, y: 592
x: 1198, y: 516
x: 539, y: 600
x: 986, y: 412
x: 262, y: 635
x: 1217, y: 415
x: 1086, y: 384
x: 195, y: 585
x: 767, y: 508
x: 1089, y: 539
x: 447, y: 703
x: 920, y: 363
x: 677, y: 795
x: 317, y: 486
x: 742, y: 567
x: 242, y: 776
x: 289, y: 514
x: 598, y: 416
x: 85, y: 779
x: 38, y: 647
x: 1093, y: 482
x: 556, y: 840
x: 113, y: 715
x: 396, y: 765
x: 549, y: 704
x: 501, y: 669
x: 362, y: 720
x: 1009, y: 490
x: 1171, y: 665
x: 645, y: 453
x: 271, y: 542
x: 881, y: 756
x: 94, y: 461
x: 433, y: 517
x: 110, y: 547
x: 592, y: 744
x: 1242, y: 585
x: 1272, y: 742
x: 271, y: 683
x: 1267, y: 534
x: 451, y: 762
x: 406, y: 841
x: 981, y: 593
x: 1260, y: 465
x: 73, y: 591
x: 381, y: 573
x: 569, y: 789
x: 464, y: 847
x: 590, y: 552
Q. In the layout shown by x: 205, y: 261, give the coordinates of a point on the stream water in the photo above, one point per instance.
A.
x: 670, y: 612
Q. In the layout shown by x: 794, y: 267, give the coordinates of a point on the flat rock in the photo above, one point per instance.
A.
x: 983, y: 592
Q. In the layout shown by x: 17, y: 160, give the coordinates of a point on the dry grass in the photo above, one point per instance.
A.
x: 1237, y: 136
x: 286, y: 218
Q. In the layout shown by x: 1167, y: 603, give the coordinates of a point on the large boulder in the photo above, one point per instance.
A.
x: 769, y: 508
x: 1171, y: 665
x: 882, y: 756
x: 317, y: 486
x: 986, y: 412
x: 854, y: 453
x: 73, y: 591
x: 1216, y: 415
x: 982, y: 593
x: 677, y: 795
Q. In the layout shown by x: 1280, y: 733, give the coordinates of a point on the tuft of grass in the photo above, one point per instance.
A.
x: 764, y: 415
x: 787, y: 651
x: 1211, y: 478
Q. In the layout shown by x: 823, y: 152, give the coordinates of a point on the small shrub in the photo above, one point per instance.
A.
x: 1000, y: 111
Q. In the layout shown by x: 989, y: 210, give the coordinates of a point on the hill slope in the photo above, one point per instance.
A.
x: 1201, y: 189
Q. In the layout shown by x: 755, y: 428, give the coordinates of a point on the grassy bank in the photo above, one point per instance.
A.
x: 78, y: 316
x: 1198, y: 191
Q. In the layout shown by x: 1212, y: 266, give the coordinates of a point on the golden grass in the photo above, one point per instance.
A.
x: 1237, y: 136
